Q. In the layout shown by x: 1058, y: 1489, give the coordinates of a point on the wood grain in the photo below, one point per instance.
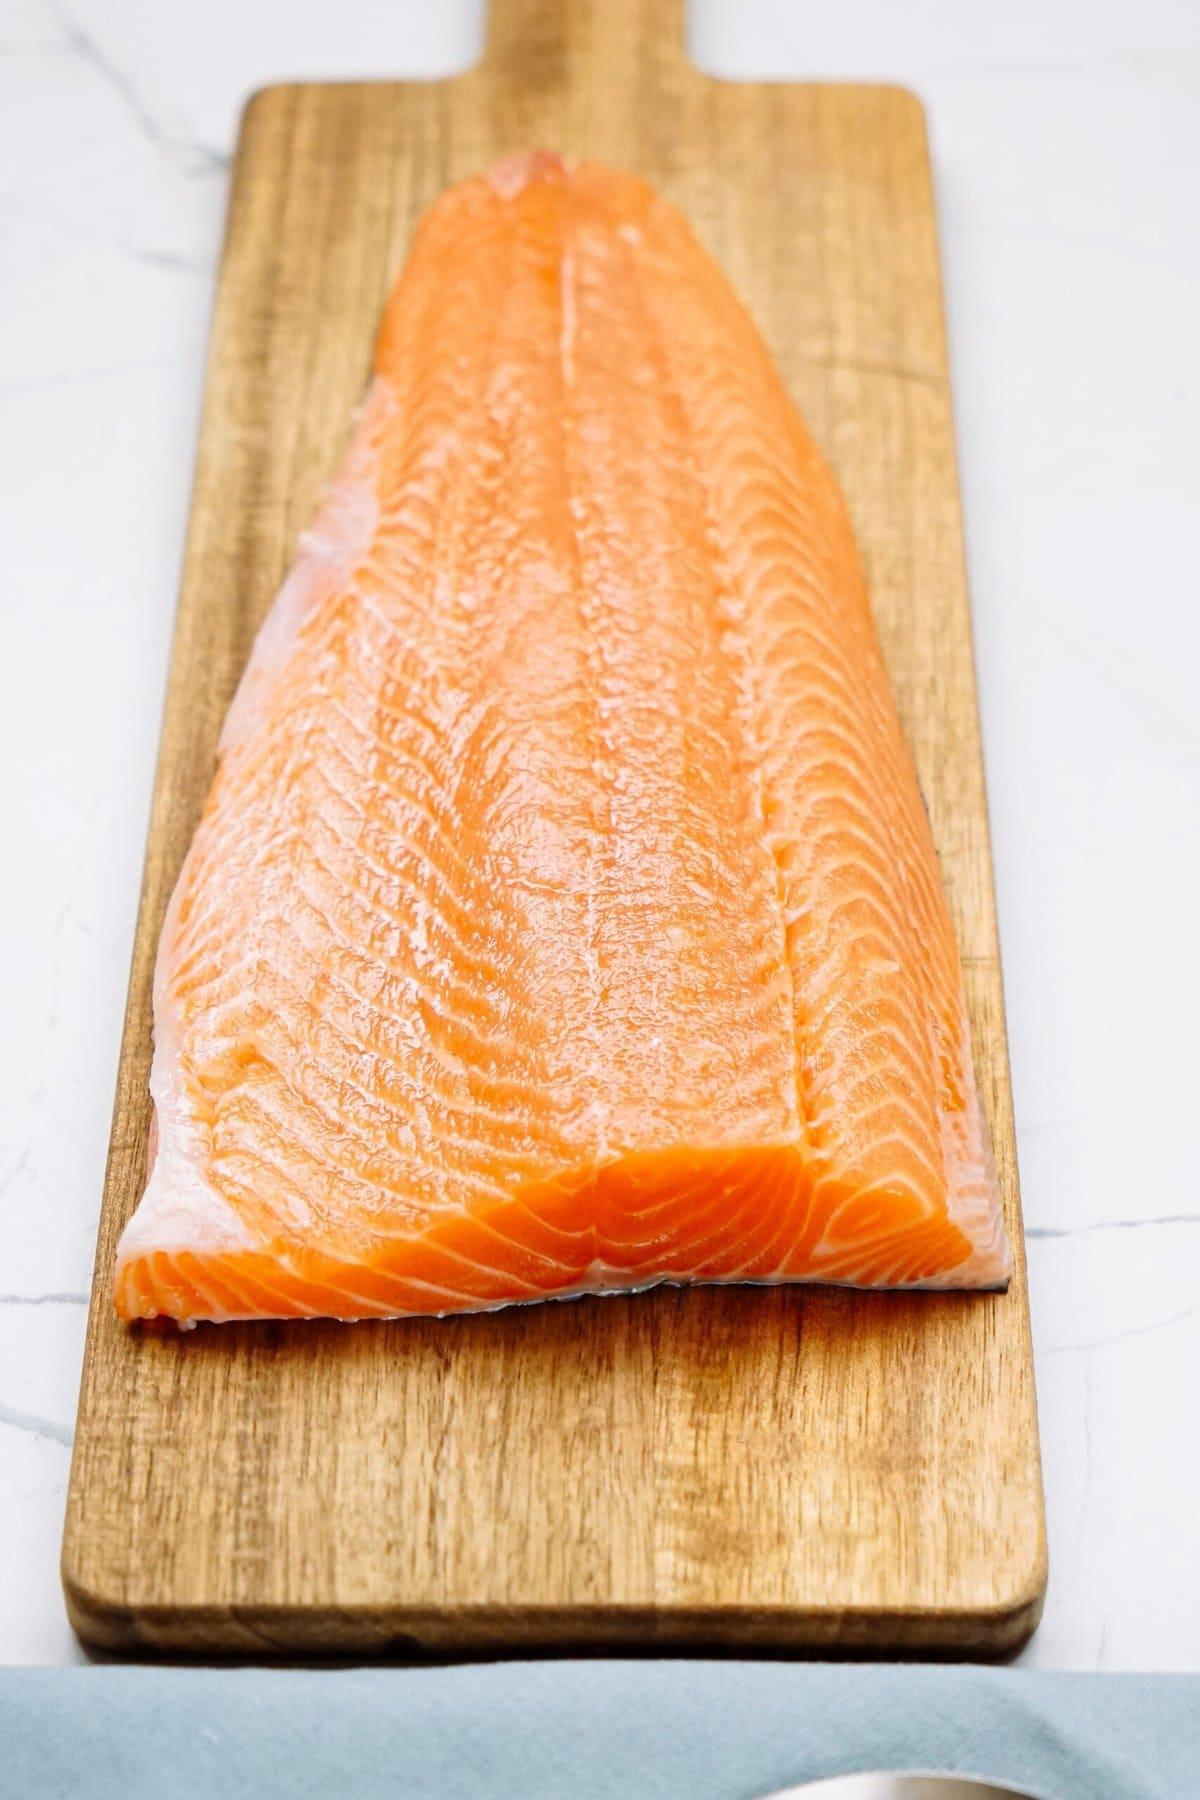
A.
x: 776, y: 1469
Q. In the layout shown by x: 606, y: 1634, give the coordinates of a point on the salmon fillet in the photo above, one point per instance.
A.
x: 564, y: 916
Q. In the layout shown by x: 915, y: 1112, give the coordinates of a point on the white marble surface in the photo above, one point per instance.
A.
x: 1067, y: 143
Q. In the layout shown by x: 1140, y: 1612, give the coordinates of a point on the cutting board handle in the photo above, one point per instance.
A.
x: 572, y: 41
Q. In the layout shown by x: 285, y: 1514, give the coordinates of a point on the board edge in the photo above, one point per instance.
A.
x: 422, y: 1633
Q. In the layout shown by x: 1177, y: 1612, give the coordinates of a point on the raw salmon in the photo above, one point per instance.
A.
x: 564, y: 915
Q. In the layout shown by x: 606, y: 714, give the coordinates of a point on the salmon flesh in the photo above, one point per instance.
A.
x: 564, y: 916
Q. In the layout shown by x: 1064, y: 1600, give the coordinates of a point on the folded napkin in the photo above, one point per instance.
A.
x: 593, y: 1730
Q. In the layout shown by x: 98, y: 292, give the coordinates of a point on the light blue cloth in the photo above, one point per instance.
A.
x: 584, y: 1731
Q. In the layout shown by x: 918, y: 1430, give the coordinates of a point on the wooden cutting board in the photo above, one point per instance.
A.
x: 754, y: 1469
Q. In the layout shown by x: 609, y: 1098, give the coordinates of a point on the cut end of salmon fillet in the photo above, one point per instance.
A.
x: 696, y: 1215
x: 564, y: 916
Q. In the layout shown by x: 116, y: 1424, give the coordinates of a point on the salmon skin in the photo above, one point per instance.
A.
x: 564, y: 916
